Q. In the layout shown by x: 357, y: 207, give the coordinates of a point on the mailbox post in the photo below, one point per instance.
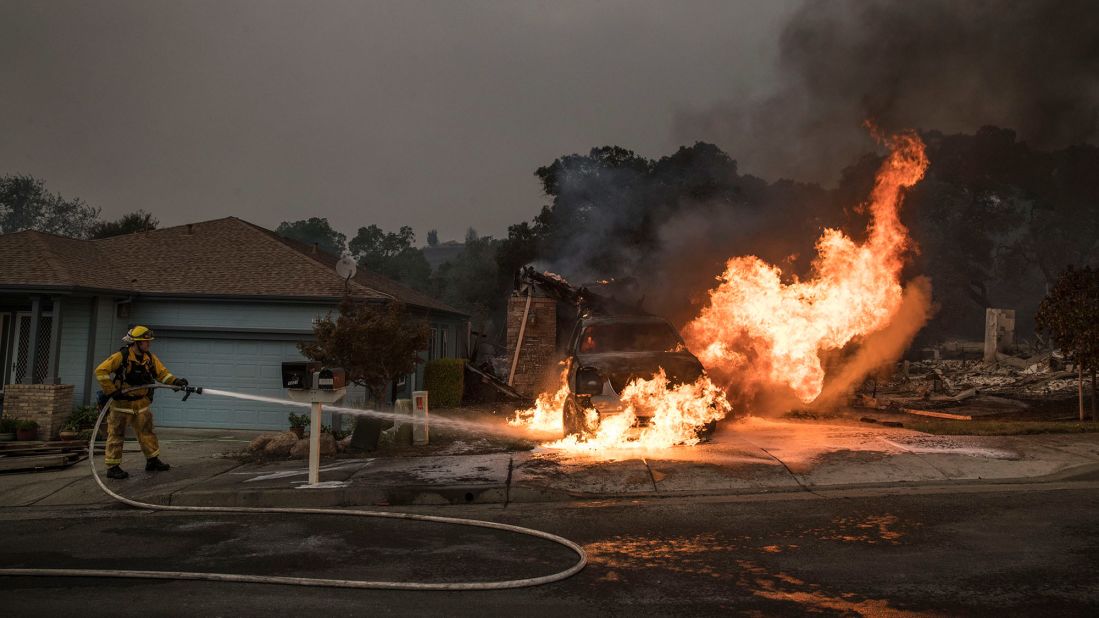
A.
x: 420, y: 424
x: 309, y: 382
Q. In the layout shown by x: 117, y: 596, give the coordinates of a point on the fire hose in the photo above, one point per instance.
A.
x: 305, y: 581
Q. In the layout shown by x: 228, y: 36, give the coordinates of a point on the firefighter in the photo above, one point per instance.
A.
x: 133, y: 365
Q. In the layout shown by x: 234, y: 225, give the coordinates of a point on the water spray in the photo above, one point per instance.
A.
x: 581, y: 562
x: 436, y: 421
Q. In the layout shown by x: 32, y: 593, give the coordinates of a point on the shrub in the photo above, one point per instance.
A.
x: 26, y: 424
x: 83, y: 417
x: 298, y: 420
x: 444, y: 379
x: 8, y: 425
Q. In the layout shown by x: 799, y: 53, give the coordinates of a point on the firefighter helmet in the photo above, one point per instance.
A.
x: 138, y: 333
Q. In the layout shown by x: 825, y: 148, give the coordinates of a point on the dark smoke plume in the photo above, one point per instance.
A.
x: 994, y: 221
x: 931, y: 64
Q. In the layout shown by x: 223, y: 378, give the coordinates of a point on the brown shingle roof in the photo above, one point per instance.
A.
x: 31, y: 258
x: 223, y: 257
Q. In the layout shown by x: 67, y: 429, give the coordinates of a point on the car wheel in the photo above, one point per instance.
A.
x: 575, y: 422
x: 569, y: 419
x: 707, y: 431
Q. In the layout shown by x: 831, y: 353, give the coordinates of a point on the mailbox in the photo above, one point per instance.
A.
x: 331, y: 379
x: 299, y: 375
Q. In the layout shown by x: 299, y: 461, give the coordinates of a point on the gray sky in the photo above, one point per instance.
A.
x: 429, y: 114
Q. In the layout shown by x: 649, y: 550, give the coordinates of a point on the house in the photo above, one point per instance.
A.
x: 228, y: 301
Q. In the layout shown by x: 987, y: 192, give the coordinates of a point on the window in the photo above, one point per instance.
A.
x: 629, y: 337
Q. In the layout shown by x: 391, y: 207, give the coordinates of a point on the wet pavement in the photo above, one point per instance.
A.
x: 771, y: 518
x: 1009, y: 549
x: 752, y: 456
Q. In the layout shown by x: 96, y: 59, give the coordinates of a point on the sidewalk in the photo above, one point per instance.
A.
x: 755, y: 456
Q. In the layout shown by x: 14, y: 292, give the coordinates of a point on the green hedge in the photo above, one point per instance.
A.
x: 444, y: 380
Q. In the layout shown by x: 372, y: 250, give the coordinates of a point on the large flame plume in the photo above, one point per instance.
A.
x: 677, y: 413
x: 758, y: 330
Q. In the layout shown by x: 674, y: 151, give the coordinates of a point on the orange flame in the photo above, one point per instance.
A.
x: 677, y: 413
x: 545, y: 416
x: 758, y: 330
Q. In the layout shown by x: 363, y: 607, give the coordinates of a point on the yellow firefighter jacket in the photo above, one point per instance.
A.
x: 138, y: 370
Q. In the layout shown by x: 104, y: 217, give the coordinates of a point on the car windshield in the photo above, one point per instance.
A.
x: 627, y: 337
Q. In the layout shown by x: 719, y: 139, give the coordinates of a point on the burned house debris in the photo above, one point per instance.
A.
x: 963, y: 380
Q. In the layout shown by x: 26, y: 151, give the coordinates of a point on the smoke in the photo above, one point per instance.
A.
x: 670, y: 224
x: 934, y: 64
x: 883, y: 347
x: 780, y: 223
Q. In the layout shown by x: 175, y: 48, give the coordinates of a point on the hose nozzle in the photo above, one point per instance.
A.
x: 187, y: 390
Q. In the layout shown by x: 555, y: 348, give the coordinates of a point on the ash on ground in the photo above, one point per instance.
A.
x: 1026, y: 385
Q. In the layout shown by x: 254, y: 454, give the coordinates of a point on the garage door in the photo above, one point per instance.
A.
x: 240, y: 365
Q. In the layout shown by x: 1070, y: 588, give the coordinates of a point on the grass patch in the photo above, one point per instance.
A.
x: 944, y: 427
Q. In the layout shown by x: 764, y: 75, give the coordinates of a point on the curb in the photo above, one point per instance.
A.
x: 343, y: 496
x: 419, y: 495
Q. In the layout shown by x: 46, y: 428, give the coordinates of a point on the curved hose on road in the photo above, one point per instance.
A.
x: 309, y: 581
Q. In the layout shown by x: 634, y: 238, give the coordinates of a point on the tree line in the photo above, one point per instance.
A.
x: 995, y: 222
x: 26, y: 204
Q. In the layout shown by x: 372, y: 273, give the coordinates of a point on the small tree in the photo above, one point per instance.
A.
x: 432, y: 238
x: 139, y: 221
x: 374, y: 344
x: 1070, y: 315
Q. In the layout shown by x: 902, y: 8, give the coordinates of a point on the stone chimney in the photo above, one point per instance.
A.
x: 539, y: 344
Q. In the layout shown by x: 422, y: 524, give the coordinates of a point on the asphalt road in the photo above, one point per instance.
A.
x: 974, y: 550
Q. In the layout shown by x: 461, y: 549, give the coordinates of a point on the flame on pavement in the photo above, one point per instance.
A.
x: 677, y: 413
x: 545, y: 415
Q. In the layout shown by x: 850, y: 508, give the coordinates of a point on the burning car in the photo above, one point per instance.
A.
x: 606, y: 353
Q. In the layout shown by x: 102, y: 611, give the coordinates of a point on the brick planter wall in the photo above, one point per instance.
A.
x: 48, y: 404
x: 539, y: 341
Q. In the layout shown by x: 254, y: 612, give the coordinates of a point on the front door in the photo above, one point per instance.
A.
x: 21, y: 353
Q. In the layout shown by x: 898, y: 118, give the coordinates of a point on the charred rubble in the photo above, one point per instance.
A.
x: 955, y: 380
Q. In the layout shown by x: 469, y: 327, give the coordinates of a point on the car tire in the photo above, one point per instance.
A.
x: 706, y: 432
x: 569, y: 419
x: 575, y: 422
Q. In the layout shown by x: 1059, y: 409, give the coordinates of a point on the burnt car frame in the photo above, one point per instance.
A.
x: 606, y: 352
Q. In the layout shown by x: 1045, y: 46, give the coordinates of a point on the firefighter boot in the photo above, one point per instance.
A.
x: 114, y: 472
x: 153, y: 464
